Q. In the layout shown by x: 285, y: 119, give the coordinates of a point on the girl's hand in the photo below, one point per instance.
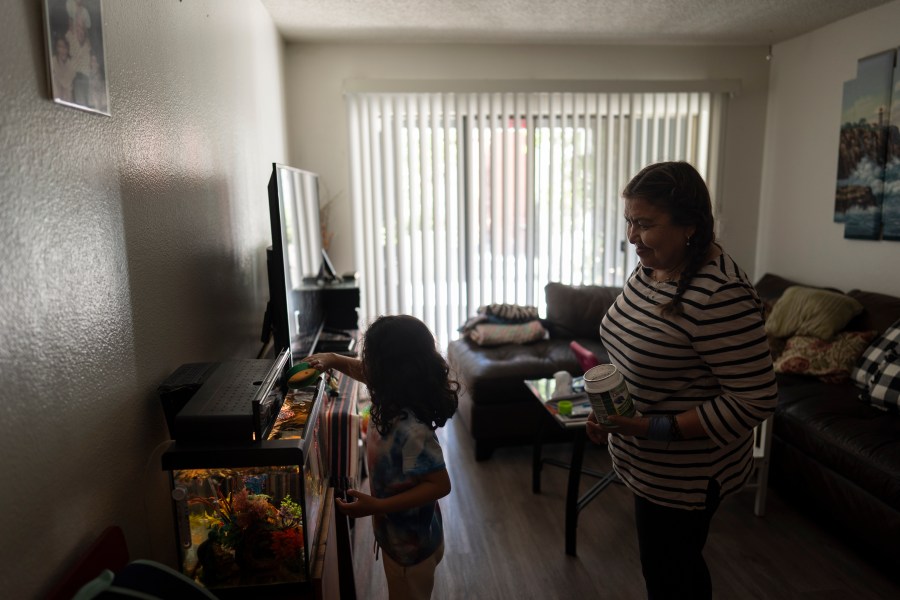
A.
x: 363, y: 505
x: 329, y: 361
x: 322, y: 362
x: 597, y: 432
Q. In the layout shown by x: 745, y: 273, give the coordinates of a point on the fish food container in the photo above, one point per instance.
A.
x: 608, y: 393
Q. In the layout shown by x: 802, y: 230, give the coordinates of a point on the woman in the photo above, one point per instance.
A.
x: 687, y: 334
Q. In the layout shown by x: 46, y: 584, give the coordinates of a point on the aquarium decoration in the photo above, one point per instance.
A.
x: 246, y: 527
x: 867, y: 194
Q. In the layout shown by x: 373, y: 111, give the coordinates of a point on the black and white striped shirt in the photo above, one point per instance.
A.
x: 713, y: 359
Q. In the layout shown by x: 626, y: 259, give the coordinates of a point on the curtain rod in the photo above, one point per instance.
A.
x: 387, y: 86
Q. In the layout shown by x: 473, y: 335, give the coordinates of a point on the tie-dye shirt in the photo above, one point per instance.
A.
x: 396, y: 461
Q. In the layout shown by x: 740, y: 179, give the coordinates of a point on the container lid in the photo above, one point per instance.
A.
x: 600, y: 372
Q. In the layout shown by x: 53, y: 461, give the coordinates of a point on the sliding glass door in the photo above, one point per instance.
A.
x: 463, y: 200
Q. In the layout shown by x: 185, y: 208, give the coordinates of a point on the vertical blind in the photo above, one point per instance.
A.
x: 461, y: 200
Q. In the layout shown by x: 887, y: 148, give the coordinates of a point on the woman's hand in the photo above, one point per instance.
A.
x: 363, y: 505
x: 597, y: 432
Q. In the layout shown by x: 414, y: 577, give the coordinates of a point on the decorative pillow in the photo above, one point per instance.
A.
x: 875, y: 357
x: 829, y: 361
x: 811, y: 312
x: 885, y: 390
x: 489, y: 334
x: 586, y: 359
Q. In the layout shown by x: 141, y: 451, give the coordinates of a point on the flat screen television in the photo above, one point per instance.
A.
x: 295, y: 313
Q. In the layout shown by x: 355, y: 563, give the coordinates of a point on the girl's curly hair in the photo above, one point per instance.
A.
x: 404, y: 370
x: 679, y: 189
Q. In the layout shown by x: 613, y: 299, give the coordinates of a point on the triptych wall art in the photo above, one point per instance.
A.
x: 867, y: 195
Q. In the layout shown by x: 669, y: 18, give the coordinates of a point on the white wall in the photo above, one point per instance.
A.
x: 798, y: 238
x: 129, y: 245
x: 315, y: 74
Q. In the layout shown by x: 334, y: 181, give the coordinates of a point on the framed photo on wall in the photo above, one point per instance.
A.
x: 76, y: 56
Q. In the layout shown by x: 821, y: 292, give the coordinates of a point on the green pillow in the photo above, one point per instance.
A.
x: 811, y: 312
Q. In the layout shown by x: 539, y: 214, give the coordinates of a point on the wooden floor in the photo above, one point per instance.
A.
x: 503, y: 542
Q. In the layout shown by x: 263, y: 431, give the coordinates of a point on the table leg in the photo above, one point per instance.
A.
x: 572, y: 491
x: 536, y: 461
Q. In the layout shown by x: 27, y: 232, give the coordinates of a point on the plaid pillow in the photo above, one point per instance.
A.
x: 885, y: 391
x: 875, y: 362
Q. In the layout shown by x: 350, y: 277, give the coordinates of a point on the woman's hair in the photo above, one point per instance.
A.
x: 404, y: 370
x: 678, y: 189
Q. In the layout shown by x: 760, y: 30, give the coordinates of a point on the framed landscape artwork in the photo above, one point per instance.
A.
x: 75, y: 54
x: 890, y: 212
x: 863, y: 148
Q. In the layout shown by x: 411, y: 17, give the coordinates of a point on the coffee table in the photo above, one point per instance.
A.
x: 542, y: 389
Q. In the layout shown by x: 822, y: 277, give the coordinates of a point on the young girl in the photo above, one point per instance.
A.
x: 412, y: 395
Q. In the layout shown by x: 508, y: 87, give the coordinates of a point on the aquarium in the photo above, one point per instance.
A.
x: 247, y: 513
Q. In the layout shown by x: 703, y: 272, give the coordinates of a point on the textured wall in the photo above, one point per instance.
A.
x: 798, y: 237
x: 129, y: 245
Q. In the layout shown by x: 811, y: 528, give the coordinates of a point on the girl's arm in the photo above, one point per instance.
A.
x: 431, y: 487
x: 348, y: 365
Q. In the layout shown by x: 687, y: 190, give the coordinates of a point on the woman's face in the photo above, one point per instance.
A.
x: 660, y: 244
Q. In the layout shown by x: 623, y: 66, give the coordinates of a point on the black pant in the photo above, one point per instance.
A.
x: 671, y: 542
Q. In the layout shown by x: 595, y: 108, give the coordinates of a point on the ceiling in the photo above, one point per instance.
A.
x: 705, y: 22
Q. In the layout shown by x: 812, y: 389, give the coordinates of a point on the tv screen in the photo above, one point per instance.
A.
x: 294, y: 260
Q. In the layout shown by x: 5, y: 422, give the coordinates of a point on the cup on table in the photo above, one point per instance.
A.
x: 563, y: 381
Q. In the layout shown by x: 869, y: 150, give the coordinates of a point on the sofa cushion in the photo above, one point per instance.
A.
x: 786, y: 380
x: 488, y: 372
x: 576, y: 311
x: 880, y: 311
x: 771, y: 287
x: 809, y: 311
x: 830, y: 361
x: 850, y: 437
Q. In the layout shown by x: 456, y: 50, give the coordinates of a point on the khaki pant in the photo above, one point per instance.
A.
x: 411, y: 583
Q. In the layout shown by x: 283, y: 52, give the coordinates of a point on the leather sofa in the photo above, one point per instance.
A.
x: 834, y: 456
x: 494, y: 404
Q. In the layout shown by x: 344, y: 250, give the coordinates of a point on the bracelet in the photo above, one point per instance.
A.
x: 660, y: 429
x: 664, y: 428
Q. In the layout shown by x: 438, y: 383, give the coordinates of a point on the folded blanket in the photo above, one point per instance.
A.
x: 510, y: 312
x: 487, y: 334
x: 471, y: 322
x: 500, y: 314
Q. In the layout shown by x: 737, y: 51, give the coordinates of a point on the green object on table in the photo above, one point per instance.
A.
x: 565, y: 407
